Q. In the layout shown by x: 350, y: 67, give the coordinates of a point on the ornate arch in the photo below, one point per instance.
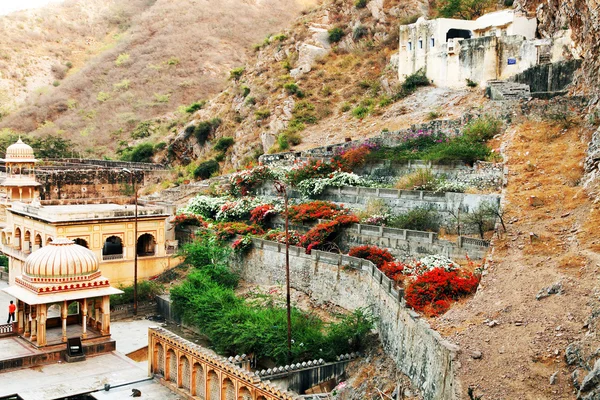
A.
x: 244, y: 393
x: 186, y: 373
x: 172, y: 373
x: 214, y: 386
x: 199, y: 381
x: 228, y: 390
x: 160, y: 368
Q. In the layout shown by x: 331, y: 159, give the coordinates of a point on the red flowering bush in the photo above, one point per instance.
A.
x: 320, y: 234
x: 316, y: 210
x: 355, y: 157
x: 187, y: 219
x: 314, y: 169
x: 261, y: 213
x: 372, y: 253
x: 395, y: 270
x: 433, y: 292
x: 227, y: 230
x: 279, y: 236
x: 242, y: 245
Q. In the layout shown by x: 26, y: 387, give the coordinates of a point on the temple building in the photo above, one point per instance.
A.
x: 20, y: 183
x: 107, y: 230
x: 61, y: 293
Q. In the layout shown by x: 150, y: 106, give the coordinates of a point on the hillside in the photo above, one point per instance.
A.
x: 93, y: 72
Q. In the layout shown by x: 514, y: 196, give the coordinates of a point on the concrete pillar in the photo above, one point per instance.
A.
x: 105, y: 315
x: 63, y: 316
x: 84, y: 320
x: 33, y: 319
x: 41, y: 325
x: 20, y: 194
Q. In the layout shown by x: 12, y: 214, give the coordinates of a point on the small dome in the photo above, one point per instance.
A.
x: 19, y: 151
x: 61, y: 259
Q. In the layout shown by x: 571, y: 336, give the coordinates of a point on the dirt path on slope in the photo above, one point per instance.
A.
x: 525, y: 347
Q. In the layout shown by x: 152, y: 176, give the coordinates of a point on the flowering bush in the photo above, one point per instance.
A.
x: 395, y: 270
x: 279, y: 236
x: 318, y: 235
x: 376, y: 219
x: 316, y: 210
x: 372, y: 253
x: 239, y: 209
x: 242, y: 245
x: 313, y: 169
x: 205, y: 206
x: 187, y: 219
x: 444, y: 186
x: 356, y: 156
x: 260, y: 214
x: 227, y: 230
x: 433, y: 292
x: 438, y: 261
x: 315, y: 186
x: 242, y: 183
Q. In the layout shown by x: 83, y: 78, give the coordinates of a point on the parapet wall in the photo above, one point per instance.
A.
x: 418, y: 351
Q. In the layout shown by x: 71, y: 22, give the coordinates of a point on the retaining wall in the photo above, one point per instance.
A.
x: 418, y: 351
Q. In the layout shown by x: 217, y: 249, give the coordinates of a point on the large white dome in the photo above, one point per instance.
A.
x: 59, y: 260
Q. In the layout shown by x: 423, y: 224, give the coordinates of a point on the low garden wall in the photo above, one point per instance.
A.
x: 418, y: 351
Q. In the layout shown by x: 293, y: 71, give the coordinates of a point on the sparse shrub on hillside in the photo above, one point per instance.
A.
x: 292, y: 89
x: 162, y: 98
x: 345, y: 107
x: 262, y: 114
x: 59, y: 71
x: 192, y: 108
x: 416, y: 80
x: 482, y: 129
x: 360, y: 32
x: 335, y: 34
x: 224, y: 143
x: 206, y: 169
x: 206, y: 129
x: 361, y: 111
x: 56, y: 83
x: 431, y: 115
x: 282, y: 142
x: 121, y: 86
x: 102, y: 96
x: 173, y: 61
x: 122, y: 60
x: 236, y: 73
x: 463, y: 9
x: 471, y: 84
x: 422, y: 179
x: 360, y: 3
x: 508, y: 3
x: 411, y: 19
x: 304, y: 112
x: 143, y: 130
x: 279, y: 37
x: 245, y: 91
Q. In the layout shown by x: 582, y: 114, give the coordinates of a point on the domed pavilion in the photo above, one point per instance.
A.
x: 62, y: 293
x: 20, y: 183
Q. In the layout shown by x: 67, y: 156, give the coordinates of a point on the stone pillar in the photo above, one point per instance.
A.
x: 63, y: 315
x: 20, y: 194
x: 41, y: 322
x: 105, y: 315
x: 33, y: 320
x: 84, y: 320
x: 20, y: 317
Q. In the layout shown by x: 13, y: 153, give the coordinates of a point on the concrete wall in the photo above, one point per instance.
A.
x: 301, y: 380
x: 418, y: 351
x: 553, y: 77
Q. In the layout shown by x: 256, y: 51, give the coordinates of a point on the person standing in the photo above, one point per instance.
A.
x: 11, y: 312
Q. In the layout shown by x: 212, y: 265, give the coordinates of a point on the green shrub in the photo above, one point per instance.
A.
x: 282, y: 142
x: 143, y: 130
x: 102, y: 96
x: 345, y: 107
x: 192, y: 108
x: 143, y: 152
x: 482, y: 129
x: 471, y: 84
x: 206, y: 169
x: 205, y: 129
x: 304, y: 112
x: 361, y: 112
x: 262, y: 114
x: 122, y: 59
x: 360, y: 32
x: 508, y: 3
x: 416, y: 80
x: 160, y: 146
x: 279, y: 37
x: 463, y: 9
x: 245, y: 91
x: 417, y: 219
x: 292, y: 89
x: 459, y: 149
x: 146, y: 291
x: 236, y: 73
x: 335, y: 34
x: 360, y: 3
x: 224, y: 143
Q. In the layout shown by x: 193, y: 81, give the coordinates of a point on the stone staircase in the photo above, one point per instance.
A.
x: 504, y: 90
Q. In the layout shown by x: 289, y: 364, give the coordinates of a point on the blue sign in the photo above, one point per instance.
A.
x: 512, y: 61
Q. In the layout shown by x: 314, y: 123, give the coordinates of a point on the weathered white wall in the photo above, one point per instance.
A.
x: 418, y: 351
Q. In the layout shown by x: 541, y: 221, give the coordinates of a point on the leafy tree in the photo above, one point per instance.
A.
x: 464, y: 9
x: 206, y: 169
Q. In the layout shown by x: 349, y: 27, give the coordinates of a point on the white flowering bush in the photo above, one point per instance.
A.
x: 438, y: 261
x: 450, y: 186
x: 315, y: 186
x: 376, y: 219
x: 206, y: 206
x: 239, y: 209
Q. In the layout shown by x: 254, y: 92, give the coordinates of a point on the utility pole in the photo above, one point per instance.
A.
x: 281, y: 189
x: 135, y: 234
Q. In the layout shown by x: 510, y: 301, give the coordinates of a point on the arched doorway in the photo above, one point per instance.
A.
x: 458, y: 34
x: 113, y: 248
x: 172, y: 366
x: 27, y: 241
x: 214, y: 388
x: 228, y: 392
x: 186, y: 378
x: 37, y: 244
x: 18, y: 238
x: 160, y: 368
x: 244, y: 394
x: 146, y: 245
x: 49, y: 240
x: 81, y: 242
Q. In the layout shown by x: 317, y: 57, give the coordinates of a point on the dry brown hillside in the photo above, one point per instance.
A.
x: 92, y: 71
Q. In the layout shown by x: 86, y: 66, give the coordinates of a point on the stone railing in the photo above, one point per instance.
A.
x: 8, y: 329
x: 194, y: 371
x: 110, y: 257
x: 12, y: 252
x: 83, y: 163
x: 348, y: 282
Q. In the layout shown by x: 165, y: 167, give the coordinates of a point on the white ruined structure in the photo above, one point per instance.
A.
x: 495, y: 46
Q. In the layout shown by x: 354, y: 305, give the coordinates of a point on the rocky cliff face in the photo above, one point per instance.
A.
x: 583, y: 18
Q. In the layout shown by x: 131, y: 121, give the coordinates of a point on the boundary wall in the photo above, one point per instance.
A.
x: 419, y: 351
x: 196, y: 372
